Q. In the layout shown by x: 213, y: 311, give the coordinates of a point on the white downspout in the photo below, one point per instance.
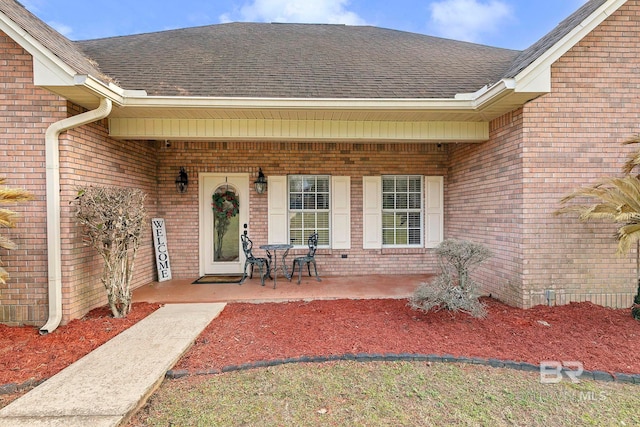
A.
x: 54, y: 264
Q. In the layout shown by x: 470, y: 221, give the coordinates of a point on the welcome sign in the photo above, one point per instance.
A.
x: 162, y: 252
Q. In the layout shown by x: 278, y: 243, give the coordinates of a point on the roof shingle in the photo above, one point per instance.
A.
x: 297, y: 61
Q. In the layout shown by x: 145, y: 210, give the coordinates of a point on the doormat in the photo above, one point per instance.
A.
x: 218, y: 279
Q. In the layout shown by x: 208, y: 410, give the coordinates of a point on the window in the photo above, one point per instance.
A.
x: 309, y: 208
x: 402, y: 210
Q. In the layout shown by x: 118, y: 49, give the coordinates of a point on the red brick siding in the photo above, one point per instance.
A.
x: 571, y: 139
x: 556, y: 143
x: 286, y: 158
x: 24, y: 117
x: 501, y: 193
x: 88, y: 157
x: 483, y: 204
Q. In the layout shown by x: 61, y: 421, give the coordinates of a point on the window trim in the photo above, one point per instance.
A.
x: 421, y: 211
x: 328, y: 211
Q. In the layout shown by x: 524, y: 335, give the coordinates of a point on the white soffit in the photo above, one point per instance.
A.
x: 275, y: 129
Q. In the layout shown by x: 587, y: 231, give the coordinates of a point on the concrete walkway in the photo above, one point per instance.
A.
x: 109, y: 384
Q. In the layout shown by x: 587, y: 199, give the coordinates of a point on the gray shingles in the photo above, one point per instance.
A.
x: 59, y: 45
x: 529, y: 55
x: 292, y: 60
x: 297, y: 60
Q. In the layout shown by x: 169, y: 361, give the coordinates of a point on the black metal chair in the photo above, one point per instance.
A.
x: 308, y: 259
x: 247, y: 246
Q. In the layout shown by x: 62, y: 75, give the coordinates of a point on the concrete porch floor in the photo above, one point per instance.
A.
x: 331, y: 287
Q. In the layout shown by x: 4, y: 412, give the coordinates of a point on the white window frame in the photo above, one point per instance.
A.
x: 340, y: 206
x: 408, y: 210
x: 433, y: 206
x: 303, y: 211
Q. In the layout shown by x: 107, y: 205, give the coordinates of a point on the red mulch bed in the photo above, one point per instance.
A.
x: 25, y: 355
x: 601, y: 338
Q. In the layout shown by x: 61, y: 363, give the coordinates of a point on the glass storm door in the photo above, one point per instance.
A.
x: 224, y: 207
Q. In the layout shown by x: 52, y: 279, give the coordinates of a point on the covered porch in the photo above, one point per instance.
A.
x: 331, y: 287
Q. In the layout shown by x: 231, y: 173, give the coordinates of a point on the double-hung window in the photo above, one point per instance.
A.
x: 309, y: 208
x: 402, y: 210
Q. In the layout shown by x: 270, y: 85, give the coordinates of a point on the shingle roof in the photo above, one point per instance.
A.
x: 297, y: 61
x: 59, y: 45
x: 292, y: 60
x: 529, y: 55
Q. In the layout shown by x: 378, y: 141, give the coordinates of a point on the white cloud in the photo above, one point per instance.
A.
x: 63, y: 29
x: 302, y: 11
x: 468, y: 20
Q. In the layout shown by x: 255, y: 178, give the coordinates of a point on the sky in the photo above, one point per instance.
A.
x: 511, y: 24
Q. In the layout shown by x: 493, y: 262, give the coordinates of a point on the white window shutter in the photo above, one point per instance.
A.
x: 434, y: 211
x: 277, y: 193
x: 372, y: 212
x: 341, y: 212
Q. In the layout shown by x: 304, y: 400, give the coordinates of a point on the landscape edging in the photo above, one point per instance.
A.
x: 365, y: 357
x: 395, y: 357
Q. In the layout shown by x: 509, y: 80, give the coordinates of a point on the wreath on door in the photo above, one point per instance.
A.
x: 225, y: 206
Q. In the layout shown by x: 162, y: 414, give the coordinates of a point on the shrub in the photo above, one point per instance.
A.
x: 453, y: 289
x: 113, y: 221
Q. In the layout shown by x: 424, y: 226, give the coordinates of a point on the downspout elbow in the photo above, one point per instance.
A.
x: 54, y: 252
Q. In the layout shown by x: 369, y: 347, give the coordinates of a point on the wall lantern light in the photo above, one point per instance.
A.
x: 182, y: 181
x: 261, y: 182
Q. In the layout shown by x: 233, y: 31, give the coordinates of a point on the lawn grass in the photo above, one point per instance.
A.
x: 353, y: 393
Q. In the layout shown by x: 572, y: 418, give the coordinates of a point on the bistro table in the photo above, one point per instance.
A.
x: 274, y: 266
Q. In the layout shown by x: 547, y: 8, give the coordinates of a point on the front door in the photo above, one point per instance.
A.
x: 224, y: 207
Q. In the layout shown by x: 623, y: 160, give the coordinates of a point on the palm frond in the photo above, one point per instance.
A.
x: 634, y: 158
x: 616, y: 200
x: 5, y: 243
x: 3, y: 276
x: 7, y: 218
x: 632, y: 140
x: 14, y: 195
x: 627, y: 236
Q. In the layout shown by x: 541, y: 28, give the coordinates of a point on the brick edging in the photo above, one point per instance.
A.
x: 394, y: 357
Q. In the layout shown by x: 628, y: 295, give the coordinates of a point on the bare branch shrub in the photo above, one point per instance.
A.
x: 113, y: 221
x: 453, y: 289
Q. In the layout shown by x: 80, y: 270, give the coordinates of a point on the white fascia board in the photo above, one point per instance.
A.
x: 39, y: 53
x: 495, y: 92
x: 115, y: 93
x: 537, y: 76
x: 298, y: 103
x: 50, y: 70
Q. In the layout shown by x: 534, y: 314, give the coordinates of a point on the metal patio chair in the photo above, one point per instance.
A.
x: 262, y: 263
x: 308, y: 259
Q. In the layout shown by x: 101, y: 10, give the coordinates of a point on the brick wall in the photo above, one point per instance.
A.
x: 503, y: 193
x: 88, y: 157
x: 285, y: 158
x: 571, y: 139
x: 483, y: 204
x: 25, y: 114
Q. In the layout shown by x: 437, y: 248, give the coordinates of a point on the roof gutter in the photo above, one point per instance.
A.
x: 54, y: 251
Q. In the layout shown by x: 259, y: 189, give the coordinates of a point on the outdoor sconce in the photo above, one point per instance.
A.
x: 261, y: 182
x: 182, y: 181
